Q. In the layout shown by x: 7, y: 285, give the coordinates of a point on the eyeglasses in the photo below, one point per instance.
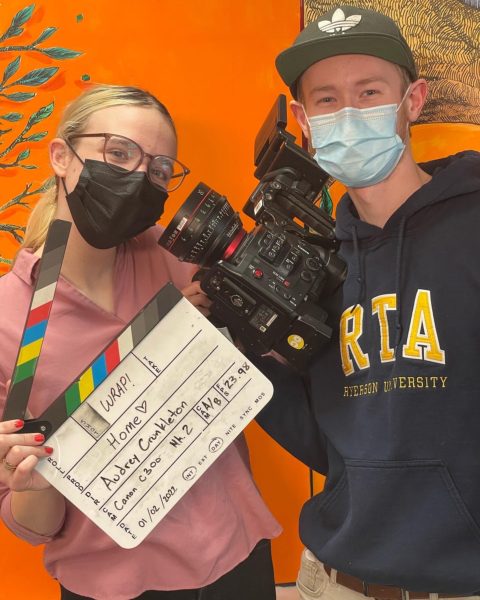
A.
x: 124, y: 156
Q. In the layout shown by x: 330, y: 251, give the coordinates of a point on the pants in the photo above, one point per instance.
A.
x: 252, y: 579
x: 314, y: 583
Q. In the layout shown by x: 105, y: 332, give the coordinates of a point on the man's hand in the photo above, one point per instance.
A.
x: 197, y: 297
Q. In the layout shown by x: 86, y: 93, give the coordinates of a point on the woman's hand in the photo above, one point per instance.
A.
x: 19, y: 453
x: 197, y: 297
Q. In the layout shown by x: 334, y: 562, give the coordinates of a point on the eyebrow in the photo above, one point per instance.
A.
x: 375, y: 79
x: 331, y: 88
x: 323, y: 88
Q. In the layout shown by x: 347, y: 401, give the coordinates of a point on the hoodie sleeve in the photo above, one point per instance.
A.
x: 288, y: 417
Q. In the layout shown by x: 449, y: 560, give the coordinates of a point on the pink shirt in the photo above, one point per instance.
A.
x: 215, y: 525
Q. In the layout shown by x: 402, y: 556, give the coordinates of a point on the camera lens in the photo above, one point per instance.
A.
x: 205, y: 229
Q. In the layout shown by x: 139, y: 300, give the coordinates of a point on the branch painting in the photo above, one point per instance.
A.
x: 20, y: 126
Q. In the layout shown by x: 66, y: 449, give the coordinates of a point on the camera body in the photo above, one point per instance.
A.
x: 266, y: 285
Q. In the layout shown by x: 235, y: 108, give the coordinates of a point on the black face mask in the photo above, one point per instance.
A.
x: 109, y: 208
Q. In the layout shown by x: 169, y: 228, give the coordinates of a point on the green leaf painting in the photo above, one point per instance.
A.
x: 11, y: 69
x: 35, y: 77
x: 21, y: 129
x: 46, y: 33
x: 24, y: 154
x: 15, y: 29
x: 12, y: 117
x: 19, y: 96
x: 41, y: 114
x: 36, y: 137
x: 19, y: 19
x: 35, y: 118
x: 60, y: 53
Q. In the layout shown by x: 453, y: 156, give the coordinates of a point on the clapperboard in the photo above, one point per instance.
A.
x: 147, y: 417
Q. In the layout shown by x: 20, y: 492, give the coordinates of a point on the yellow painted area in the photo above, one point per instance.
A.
x: 29, y: 352
x: 85, y: 384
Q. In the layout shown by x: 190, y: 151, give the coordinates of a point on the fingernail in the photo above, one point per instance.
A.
x: 48, y: 449
x: 39, y: 437
x: 19, y: 424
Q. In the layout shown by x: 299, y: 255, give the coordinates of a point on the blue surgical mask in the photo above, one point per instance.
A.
x: 358, y: 146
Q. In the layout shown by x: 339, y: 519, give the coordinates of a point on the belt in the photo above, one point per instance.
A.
x: 378, y: 591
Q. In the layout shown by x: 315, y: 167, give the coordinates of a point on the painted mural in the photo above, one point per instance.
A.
x: 444, y: 36
x: 25, y: 106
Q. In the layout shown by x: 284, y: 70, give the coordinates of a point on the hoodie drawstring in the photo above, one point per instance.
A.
x: 360, y: 280
x: 398, y: 283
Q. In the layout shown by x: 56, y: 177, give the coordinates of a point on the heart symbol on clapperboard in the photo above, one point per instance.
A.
x: 142, y: 407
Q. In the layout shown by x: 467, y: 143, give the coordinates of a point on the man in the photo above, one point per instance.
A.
x: 392, y: 416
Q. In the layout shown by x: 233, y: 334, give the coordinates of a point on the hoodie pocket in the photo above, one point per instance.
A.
x: 401, y: 523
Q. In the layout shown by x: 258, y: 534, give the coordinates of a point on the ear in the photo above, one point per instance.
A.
x: 299, y: 114
x: 416, y: 99
x: 60, y: 156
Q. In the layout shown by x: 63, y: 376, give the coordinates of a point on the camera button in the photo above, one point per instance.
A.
x: 313, y: 264
x: 306, y: 276
x: 258, y: 273
x: 236, y: 300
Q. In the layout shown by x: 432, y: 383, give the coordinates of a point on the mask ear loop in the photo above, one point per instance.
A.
x: 70, y: 147
x: 403, y: 98
x: 75, y: 152
x: 304, y: 112
x: 398, y: 108
x: 64, y: 185
x: 307, y: 122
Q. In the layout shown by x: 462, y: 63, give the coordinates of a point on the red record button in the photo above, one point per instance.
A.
x: 258, y: 273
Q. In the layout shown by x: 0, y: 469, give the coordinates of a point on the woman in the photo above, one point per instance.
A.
x: 114, y: 161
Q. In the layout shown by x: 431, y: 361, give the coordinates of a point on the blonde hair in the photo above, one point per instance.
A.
x: 74, y: 121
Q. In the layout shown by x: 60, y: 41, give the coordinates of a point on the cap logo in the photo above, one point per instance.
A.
x: 339, y: 23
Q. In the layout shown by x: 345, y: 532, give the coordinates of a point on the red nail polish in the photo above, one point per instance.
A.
x: 39, y: 437
x: 19, y: 424
x: 48, y: 449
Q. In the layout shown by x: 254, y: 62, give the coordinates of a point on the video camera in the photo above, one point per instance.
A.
x: 266, y: 285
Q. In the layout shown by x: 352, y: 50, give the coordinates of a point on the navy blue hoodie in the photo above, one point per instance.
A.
x: 393, y: 413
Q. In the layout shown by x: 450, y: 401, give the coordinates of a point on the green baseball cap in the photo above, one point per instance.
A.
x: 345, y: 30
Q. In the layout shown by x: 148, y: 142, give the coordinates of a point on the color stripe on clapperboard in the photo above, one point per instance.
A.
x: 98, y: 371
x: 115, y: 352
x: 37, y: 319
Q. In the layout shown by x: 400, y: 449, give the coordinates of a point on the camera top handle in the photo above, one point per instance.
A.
x: 289, y: 178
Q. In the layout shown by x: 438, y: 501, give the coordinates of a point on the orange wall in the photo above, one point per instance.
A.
x: 211, y: 62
